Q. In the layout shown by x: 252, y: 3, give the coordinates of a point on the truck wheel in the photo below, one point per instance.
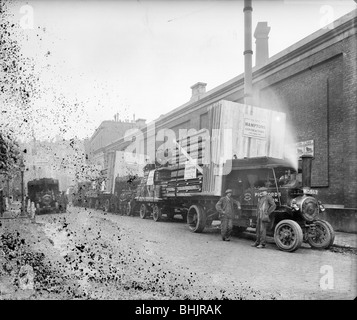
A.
x: 321, y: 237
x: 328, y: 225
x: 288, y: 235
x: 143, y: 211
x: 156, y: 213
x: 196, y: 218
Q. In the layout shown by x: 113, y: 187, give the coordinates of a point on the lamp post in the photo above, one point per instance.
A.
x: 22, y: 169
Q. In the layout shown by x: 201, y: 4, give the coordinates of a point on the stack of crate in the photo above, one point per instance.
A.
x: 162, y: 176
x: 188, y: 148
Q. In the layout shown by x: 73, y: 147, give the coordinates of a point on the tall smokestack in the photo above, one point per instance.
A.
x: 306, y: 170
x: 248, y: 52
x: 261, y: 43
x: 198, y: 90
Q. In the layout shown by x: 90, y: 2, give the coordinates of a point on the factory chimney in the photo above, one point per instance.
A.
x: 198, y: 90
x: 261, y: 43
x: 248, y: 52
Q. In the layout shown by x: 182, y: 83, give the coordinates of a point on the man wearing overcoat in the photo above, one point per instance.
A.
x: 266, y: 205
x: 226, y: 212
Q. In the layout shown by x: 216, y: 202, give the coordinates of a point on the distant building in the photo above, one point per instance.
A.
x: 314, y: 82
x: 107, y: 133
x: 59, y: 159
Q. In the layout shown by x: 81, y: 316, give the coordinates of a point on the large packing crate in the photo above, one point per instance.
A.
x: 236, y: 131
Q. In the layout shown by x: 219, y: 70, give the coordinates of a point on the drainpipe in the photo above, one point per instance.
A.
x: 248, y: 52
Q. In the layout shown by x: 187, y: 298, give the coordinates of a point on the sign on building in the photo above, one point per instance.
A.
x: 254, y: 127
x: 305, y: 148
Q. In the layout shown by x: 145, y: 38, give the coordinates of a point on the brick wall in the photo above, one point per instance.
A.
x: 350, y: 119
x: 318, y: 94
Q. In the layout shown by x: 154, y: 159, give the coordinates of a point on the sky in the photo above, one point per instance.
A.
x: 98, y: 58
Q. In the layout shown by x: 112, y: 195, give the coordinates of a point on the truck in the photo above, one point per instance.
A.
x: 46, y: 196
x: 114, y: 189
x: 245, y: 145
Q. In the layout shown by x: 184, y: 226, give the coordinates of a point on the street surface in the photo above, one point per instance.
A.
x: 101, y: 255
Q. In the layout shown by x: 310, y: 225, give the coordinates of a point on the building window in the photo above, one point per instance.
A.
x: 204, y: 121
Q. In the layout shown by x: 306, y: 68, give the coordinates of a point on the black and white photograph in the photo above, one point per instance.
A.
x: 190, y: 152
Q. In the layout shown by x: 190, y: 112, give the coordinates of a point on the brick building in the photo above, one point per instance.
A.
x: 315, y: 83
x: 107, y: 133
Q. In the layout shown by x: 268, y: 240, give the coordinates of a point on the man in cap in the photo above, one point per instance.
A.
x: 225, y: 208
x: 266, y: 205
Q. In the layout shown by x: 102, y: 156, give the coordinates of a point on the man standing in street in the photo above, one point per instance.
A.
x: 266, y: 205
x: 226, y: 212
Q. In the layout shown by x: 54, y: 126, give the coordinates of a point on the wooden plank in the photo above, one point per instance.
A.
x: 180, y: 166
x: 148, y: 199
x: 186, y: 188
x: 198, y: 133
x: 195, y: 147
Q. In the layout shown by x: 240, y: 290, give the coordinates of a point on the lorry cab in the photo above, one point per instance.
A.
x: 295, y: 218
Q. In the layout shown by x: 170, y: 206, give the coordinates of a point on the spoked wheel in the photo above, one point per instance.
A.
x: 321, y: 236
x: 156, y: 213
x: 328, y: 225
x: 196, y: 218
x: 288, y: 235
x: 143, y: 211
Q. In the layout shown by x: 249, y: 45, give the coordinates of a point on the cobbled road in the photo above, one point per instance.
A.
x: 204, y: 259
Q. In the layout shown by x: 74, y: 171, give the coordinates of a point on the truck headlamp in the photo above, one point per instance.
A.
x: 294, y: 205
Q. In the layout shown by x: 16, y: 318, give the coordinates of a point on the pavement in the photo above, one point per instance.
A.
x: 346, y: 240
x: 342, y: 239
